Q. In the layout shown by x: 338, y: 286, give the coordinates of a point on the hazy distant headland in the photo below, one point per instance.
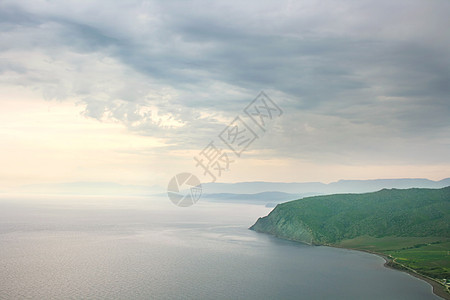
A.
x: 341, y: 186
x: 274, y: 191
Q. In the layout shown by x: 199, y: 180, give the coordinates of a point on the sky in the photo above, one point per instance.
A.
x: 131, y: 91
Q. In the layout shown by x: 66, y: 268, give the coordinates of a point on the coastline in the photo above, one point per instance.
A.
x: 437, y: 288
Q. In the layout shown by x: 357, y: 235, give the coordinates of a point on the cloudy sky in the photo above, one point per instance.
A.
x: 131, y: 91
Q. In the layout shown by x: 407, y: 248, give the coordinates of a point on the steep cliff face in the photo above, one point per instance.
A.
x: 284, y: 224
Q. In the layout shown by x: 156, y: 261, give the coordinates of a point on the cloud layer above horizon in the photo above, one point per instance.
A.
x: 360, y: 82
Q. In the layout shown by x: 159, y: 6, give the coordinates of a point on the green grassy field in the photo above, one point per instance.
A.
x: 427, y: 255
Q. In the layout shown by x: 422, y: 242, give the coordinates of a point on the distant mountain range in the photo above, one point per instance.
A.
x: 341, y: 186
x: 249, y: 191
x: 268, y: 198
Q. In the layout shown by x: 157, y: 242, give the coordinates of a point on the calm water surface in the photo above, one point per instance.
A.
x: 140, y: 248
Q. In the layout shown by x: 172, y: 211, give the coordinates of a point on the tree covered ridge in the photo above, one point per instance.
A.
x: 388, y: 212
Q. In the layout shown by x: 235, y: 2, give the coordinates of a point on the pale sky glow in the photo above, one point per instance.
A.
x: 50, y: 141
x: 130, y: 91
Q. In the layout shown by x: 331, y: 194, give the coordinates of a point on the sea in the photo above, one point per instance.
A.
x: 92, y: 247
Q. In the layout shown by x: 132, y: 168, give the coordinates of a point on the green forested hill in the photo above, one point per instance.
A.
x: 332, y: 218
x: 387, y: 221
